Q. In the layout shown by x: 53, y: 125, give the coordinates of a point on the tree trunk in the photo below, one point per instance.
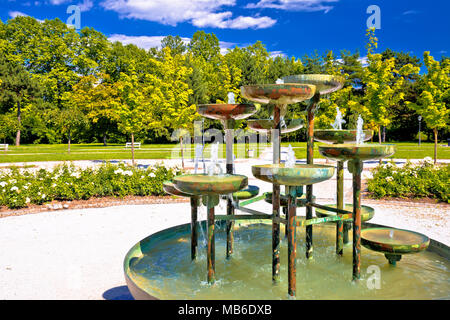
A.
x: 435, y: 144
x: 104, y: 140
x: 384, y: 134
x: 379, y: 134
x: 69, y: 142
x: 19, y: 121
x: 182, y: 153
x: 132, y: 149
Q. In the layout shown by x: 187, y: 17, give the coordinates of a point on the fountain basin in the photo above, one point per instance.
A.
x: 367, y: 212
x: 247, y: 193
x: 160, y: 267
x: 334, y: 136
x: 204, y: 184
x: 298, y: 175
x: 359, y: 152
x: 324, y: 83
x: 301, y: 201
x: 266, y: 125
x: 280, y: 94
x: 169, y: 187
x: 401, y: 242
x: 226, y: 112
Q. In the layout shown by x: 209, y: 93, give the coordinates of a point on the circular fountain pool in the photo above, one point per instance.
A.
x: 160, y: 266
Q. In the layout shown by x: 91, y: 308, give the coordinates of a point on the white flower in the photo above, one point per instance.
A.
x: 128, y: 173
x: 14, y: 188
x: 75, y: 174
x: 428, y: 159
x: 3, y: 183
x: 118, y: 171
x: 152, y: 175
x: 12, y: 181
x: 27, y: 200
x: 25, y: 187
x: 43, y: 196
x: 389, y: 179
x: 53, y: 185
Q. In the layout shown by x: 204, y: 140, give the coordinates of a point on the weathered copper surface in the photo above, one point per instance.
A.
x: 284, y: 93
x: 247, y: 193
x: 226, y: 112
x: 367, y: 212
x: 266, y: 125
x: 401, y: 242
x: 300, y: 174
x: 169, y: 187
x: 203, y: 184
x: 339, y: 136
x: 301, y: 201
x: 324, y: 83
x: 358, y: 152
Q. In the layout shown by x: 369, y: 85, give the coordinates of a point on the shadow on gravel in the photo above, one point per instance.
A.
x: 118, y: 293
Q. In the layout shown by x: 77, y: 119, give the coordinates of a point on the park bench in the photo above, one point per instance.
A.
x: 4, y: 146
x: 136, y: 145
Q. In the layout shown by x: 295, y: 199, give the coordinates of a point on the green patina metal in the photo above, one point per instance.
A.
x: 301, y: 201
x: 339, y: 205
x: 359, y: 152
x: 169, y: 187
x: 227, y: 113
x: 357, y: 169
x: 335, y: 136
x: 279, y: 94
x: 394, y: 242
x: 204, y: 184
x: 324, y: 83
x: 291, y: 227
x: 298, y: 175
x: 310, y: 222
x: 266, y: 125
x: 367, y: 212
x: 247, y: 193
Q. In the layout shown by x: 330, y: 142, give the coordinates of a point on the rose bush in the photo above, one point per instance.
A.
x: 20, y: 187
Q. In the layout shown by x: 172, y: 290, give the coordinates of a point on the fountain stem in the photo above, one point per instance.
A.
x: 276, y: 138
x: 340, y: 205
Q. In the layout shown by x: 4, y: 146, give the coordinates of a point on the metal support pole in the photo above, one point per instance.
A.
x: 340, y: 205
x: 276, y: 140
x: 194, y: 234
x: 310, y: 160
x: 356, y: 169
x: 211, y: 263
x: 292, y: 207
x: 230, y: 208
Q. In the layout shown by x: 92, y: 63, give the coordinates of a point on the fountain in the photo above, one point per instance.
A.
x: 158, y: 266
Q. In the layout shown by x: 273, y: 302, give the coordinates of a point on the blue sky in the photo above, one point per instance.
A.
x: 288, y: 27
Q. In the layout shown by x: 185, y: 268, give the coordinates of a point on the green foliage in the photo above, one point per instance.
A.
x: 411, y: 181
x: 21, y: 187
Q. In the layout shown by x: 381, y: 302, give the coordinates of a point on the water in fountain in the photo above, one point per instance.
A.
x: 202, y: 216
x: 214, y: 167
x: 359, y: 131
x: 391, y: 234
x: 198, y: 154
x: 290, y: 161
x: 231, y: 98
x: 279, y: 81
x: 337, y: 125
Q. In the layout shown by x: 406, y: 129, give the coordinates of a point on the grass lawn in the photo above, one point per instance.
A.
x: 58, y: 152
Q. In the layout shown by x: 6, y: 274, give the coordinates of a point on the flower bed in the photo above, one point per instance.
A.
x: 20, y: 187
x: 424, y: 180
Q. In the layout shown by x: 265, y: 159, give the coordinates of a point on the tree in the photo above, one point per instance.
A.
x: 16, y: 89
x: 433, y: 100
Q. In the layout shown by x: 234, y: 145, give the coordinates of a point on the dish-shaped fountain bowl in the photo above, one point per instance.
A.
x: 227, y: 111
x: 301, y: 201
x: 266, y: 125
x: 394, y: 242
x: 324, y: 83
x: 335, y: 136
x: 298, y: 175
x: 204, y: 184
x: 367, y: 212
x: 358, y: 152
x: 247, y: 193
x: 281, y: 94
x: 169, y: 188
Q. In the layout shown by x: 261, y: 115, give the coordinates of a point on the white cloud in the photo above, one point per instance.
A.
x: 86, y: 5
x: 14, y: 14
x: 200, y: 13
x: 147, y: 42
x: 274, y: 54
x: 294, y: 5
x: 410, y: 12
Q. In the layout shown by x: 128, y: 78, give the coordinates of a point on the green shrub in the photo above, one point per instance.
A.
x: 411, y: 181
x: 19, y: 187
